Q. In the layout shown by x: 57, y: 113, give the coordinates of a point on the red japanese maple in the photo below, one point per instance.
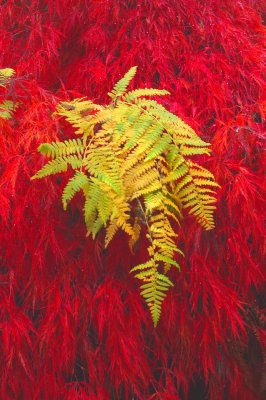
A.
x: 72, y: 324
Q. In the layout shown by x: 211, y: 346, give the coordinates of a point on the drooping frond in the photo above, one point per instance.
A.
x: 194, y: 193
x: 58, y: 165
x: 154, y: 290
x: 132, y: 163
x: 73, y: 186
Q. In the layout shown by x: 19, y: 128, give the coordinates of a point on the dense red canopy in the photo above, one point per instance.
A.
x: 72, y: 322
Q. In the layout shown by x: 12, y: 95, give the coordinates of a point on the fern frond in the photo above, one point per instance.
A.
x: 153, y: 200
x: 155, y: 288
x: 103, y: 165
x: 194, y: 193
x: 96, y: 226
x: 101, y: 116
x: 175, y: 125
x: 78, y: 113
x: 144, y: 266
x: 6, y: 75
x: 111, y: 230
x: 105, y: 208
x: 138, y: 129
x: 192, y: 151
x: 146, y: 179
x: 81, y: 105
x: 7, y: 108
x: 133, y: 174
x: 166, y: 260
x: 153, y: 187
x: 134, y: 94
x: 176, y: 174
x: 149, y: 139
x: 92, y: 195
x: 61, y: 149
x: 73, y: 186
x: 154, y: 293
x: 57, y: 166
x: 159, y: 147
x: 121, y: 86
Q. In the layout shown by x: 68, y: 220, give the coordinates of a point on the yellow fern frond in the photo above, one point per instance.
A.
x: 132, y: 163
x: 111, y: 230
x: 136, y: 233
x: 6, y: 75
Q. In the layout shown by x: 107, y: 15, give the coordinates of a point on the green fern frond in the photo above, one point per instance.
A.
x: 144, y: 266
x: 159, y: 147
x: 121, y: 86
x: 166, y: 260
x: 61, y: 149
x: 57, y: 166
x: 154, y: 293
x: 92, y: 195
x: 176, y: 174
x: 143, y: 123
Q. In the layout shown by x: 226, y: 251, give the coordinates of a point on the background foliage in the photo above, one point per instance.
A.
x: 72, y: 323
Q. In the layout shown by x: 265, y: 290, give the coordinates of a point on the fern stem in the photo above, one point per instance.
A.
x: 85, y: 153
x: 147, y: 224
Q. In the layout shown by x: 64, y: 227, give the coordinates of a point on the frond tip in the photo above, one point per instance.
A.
x: 121, y: 86
x: 132, y: 164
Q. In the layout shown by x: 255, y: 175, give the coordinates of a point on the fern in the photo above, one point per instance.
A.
x: 132, y: 163
x: 121, y: 86
x: 60, y: 149
x: 73, y: 186
x: 6, y: 75
x: 7, y: 107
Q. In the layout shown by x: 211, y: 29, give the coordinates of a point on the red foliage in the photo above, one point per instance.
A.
x: 72, y: 324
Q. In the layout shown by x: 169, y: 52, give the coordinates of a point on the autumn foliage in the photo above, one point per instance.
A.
x: 72, y: 323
